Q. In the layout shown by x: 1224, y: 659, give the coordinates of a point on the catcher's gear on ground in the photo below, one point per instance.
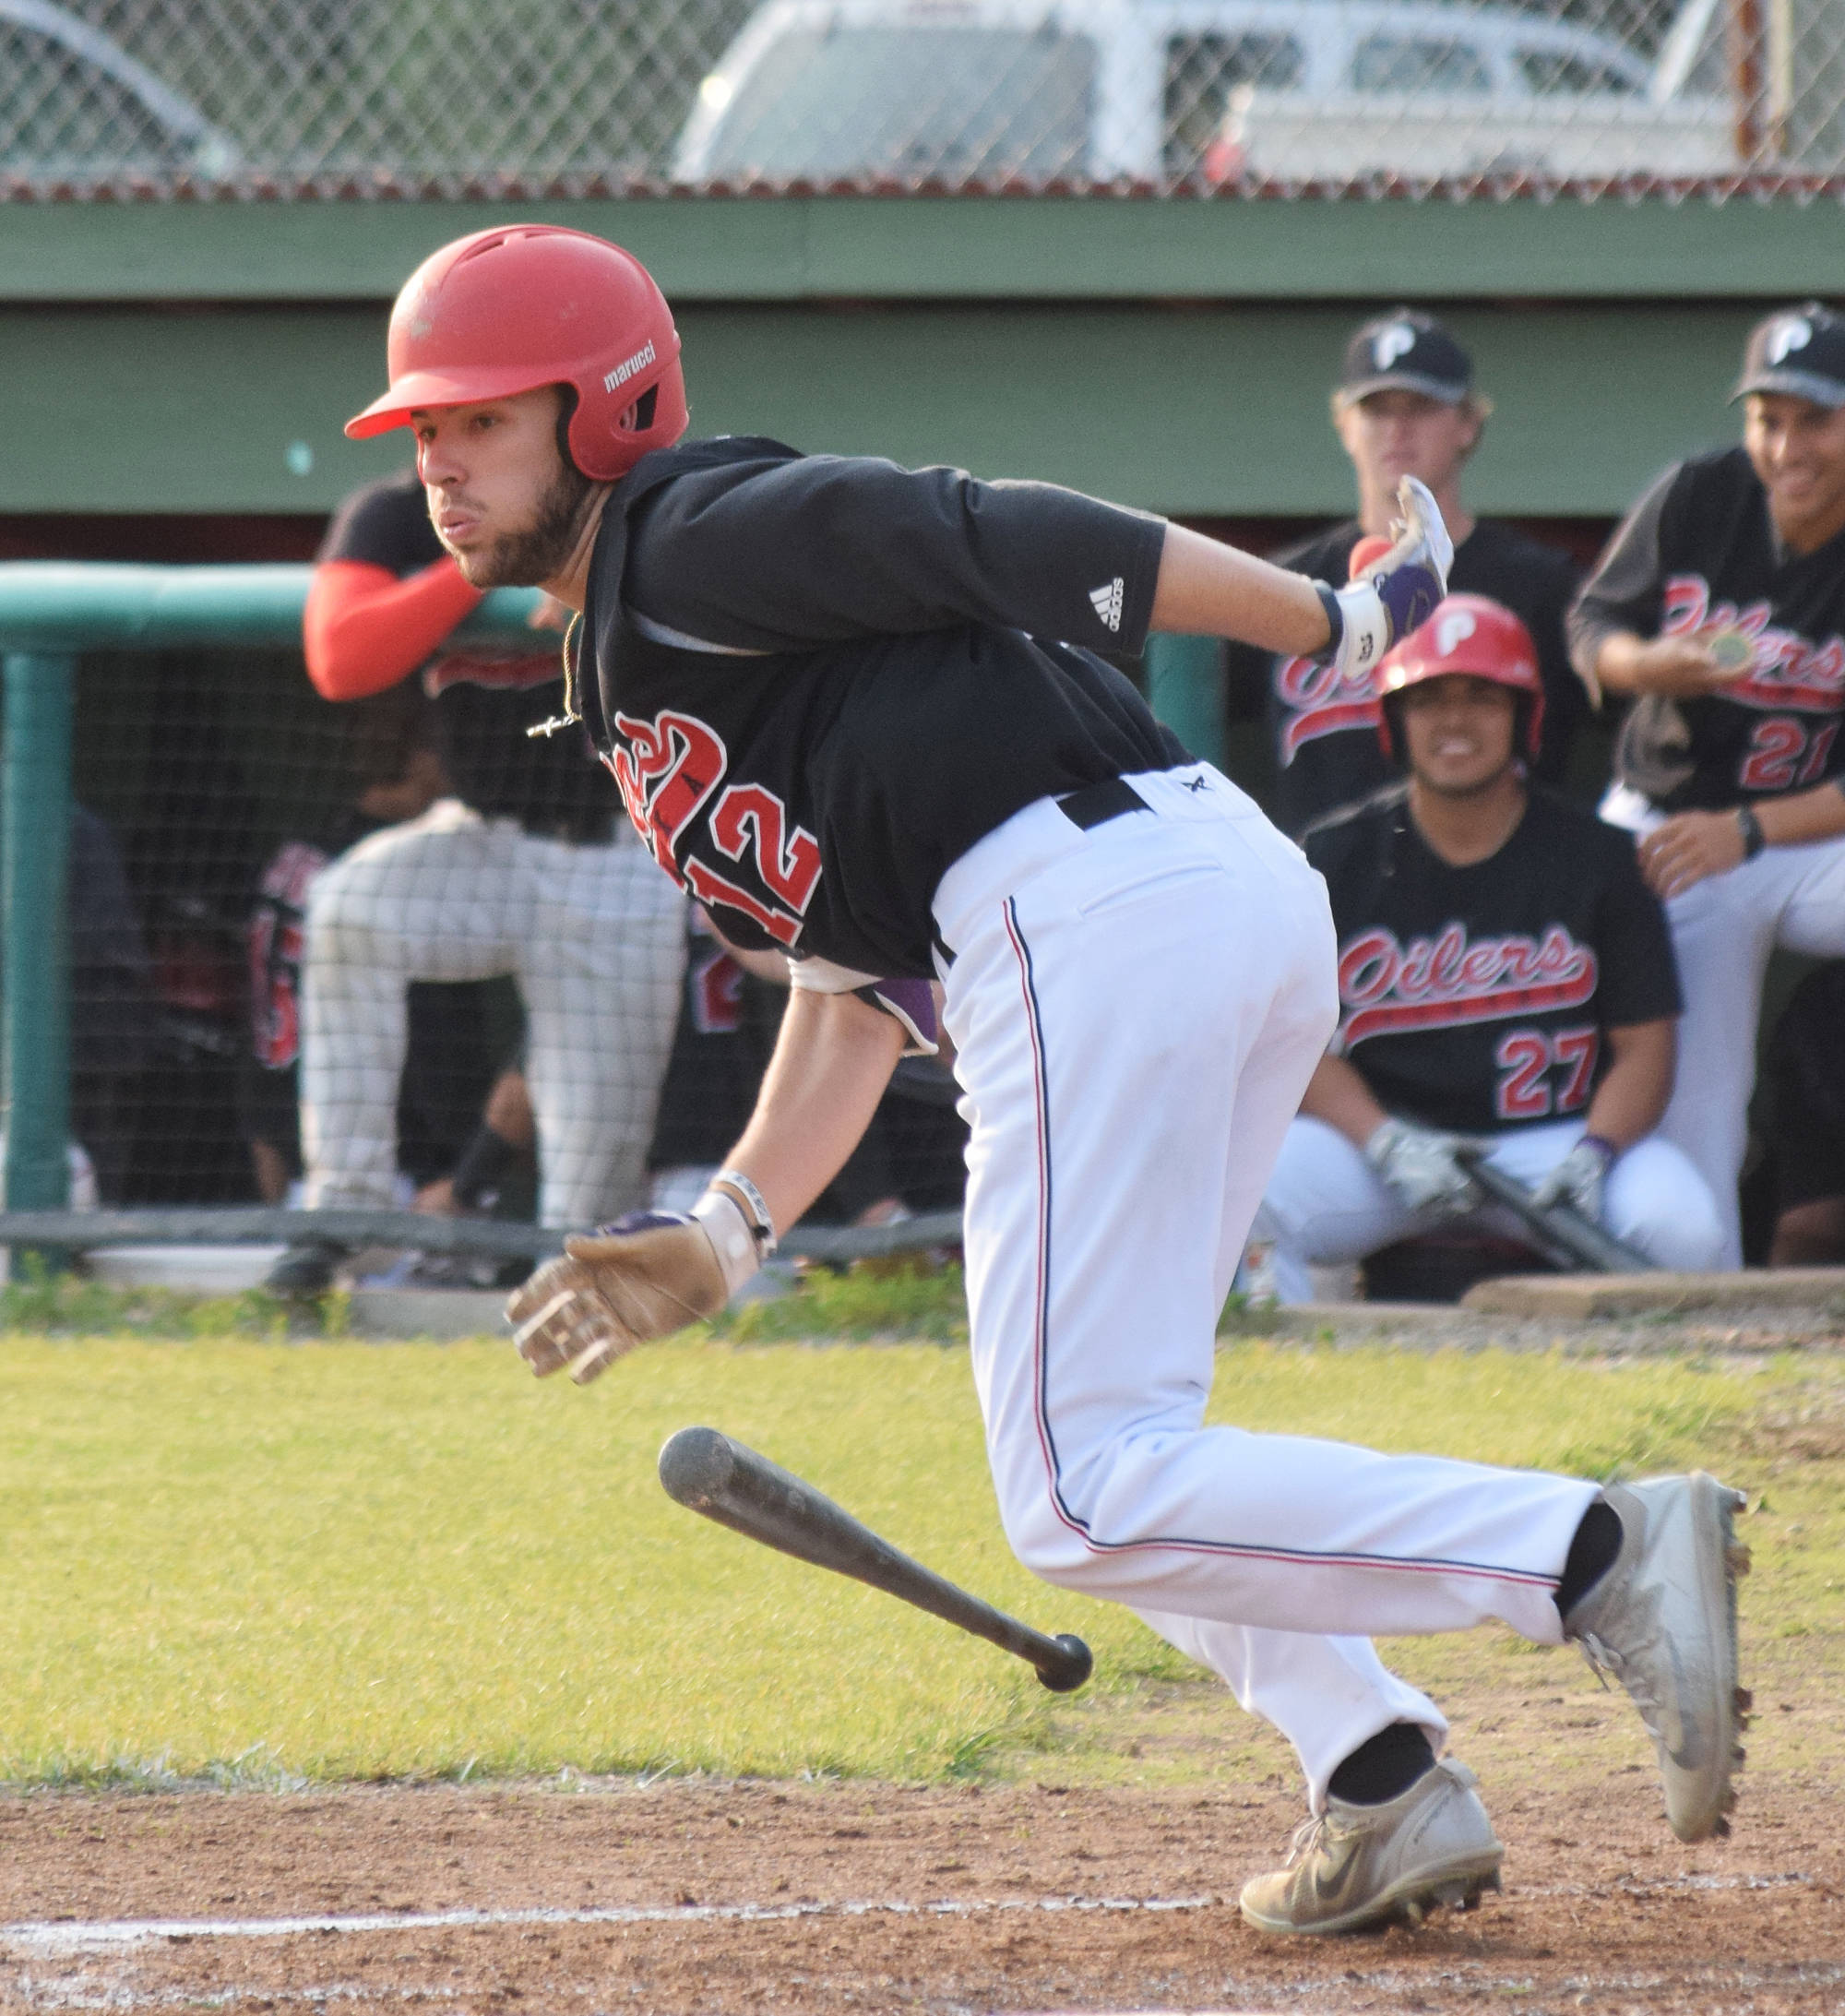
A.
x: 1397, y: 591
x: 1662, y: 1620
x: 1579, y: 1179
x: 506, y: 310
x: 1474, y: 635
x: 1355, y: 1865
x: 1422, y: 1167
x: 644, y: 1276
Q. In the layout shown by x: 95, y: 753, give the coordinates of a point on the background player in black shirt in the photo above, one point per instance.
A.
x: 859, y: 710
x: 1405, y: 405
x: 1505, y: 977
x: 1719, y: 608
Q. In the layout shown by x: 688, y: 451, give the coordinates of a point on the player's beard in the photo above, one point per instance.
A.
x: 539, y: 552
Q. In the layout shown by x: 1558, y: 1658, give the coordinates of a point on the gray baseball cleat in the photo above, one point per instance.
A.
x: 1358, y: 1865
x: 1663, y: 1621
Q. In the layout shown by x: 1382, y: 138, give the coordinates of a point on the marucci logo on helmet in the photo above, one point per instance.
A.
x: 627, y: 367
x: 508, y: 310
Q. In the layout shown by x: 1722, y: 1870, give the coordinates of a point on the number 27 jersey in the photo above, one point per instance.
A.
x: 1479, y: 998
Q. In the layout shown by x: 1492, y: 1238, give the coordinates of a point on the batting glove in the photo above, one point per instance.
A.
x: 1397, y: 592
x: 1580, y: 1179
x: 647, y: 1275
x: 1422, y: 1168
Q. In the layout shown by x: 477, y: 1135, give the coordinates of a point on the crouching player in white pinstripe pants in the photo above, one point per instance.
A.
x: 860, y: 711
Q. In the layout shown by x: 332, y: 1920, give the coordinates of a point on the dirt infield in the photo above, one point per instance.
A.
x: 681, y: 1897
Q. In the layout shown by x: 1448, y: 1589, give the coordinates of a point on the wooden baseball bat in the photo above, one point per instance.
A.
x: 709, y: 1473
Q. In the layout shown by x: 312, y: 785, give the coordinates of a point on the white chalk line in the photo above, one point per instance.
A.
x: 51, y: 1935
x: 45, y: 1937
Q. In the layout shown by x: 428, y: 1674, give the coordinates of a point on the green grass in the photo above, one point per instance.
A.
x: 235, y: 1557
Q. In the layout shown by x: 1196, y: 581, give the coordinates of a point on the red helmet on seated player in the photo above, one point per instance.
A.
x: 1474, y: 636
x: 524, y: 305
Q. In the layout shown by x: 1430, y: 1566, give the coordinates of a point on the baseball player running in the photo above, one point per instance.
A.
x: 1719, y: 606
x: 856, y: 709
x: 1504, y: 978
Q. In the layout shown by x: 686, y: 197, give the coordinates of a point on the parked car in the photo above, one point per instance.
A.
x: 1299, y: 91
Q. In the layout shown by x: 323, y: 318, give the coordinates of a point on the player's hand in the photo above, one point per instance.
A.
x: 1687, y: 848
x: 1423, y: 1168
x: 644, y: 1276
x: 436, y: 1199
x: 1580, y: 1179
x: 1398, y: 591
x: 1687, y: 666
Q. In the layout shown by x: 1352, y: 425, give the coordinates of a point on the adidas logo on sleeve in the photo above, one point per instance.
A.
x: 1107, y: 600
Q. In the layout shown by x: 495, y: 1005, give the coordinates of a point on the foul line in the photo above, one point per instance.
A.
x: 46, y: 1938
x: 67, y: 1936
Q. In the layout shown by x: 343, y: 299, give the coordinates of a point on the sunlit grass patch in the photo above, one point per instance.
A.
x: 264, y: 1562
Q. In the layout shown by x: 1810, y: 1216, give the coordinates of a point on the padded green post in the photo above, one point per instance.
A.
x: 1184, y: 688
x: 34, y: 869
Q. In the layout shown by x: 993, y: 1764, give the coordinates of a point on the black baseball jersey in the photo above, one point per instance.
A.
x: 1477, y: 998
x: 819, y: 680
x: 721, y: 1042
x: 484, y: 704
x: 1323, y: 725
x: 1698, y: 552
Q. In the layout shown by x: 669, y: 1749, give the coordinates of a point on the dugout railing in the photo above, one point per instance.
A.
x: 52, y: 613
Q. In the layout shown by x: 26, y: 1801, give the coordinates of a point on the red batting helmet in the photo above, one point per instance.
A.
x: 508, y: 310
x: 1470, y: 634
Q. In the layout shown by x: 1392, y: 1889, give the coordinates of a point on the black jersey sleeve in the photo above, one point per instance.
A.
x: 385, y: 525
x: 1625, y: 588
x: 790, y: 555
x: 1638, y: 980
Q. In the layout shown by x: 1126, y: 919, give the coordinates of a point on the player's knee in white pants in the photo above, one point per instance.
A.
x: 1657, y: 1202
x: 1325, y: 1205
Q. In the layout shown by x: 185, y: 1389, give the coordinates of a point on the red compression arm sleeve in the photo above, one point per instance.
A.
x: 364, y: 630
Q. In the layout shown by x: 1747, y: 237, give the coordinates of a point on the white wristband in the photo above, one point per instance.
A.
x: 730, y: 1235
x: 1367, y: 627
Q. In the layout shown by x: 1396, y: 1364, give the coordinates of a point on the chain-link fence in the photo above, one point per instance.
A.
x: 530, y: 98
x: 380, y: 956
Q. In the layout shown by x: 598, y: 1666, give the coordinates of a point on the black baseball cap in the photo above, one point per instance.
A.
x: 1801, y: 351
x: 1406, y: 350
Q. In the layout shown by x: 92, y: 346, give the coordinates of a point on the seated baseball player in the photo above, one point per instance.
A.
x: 526, y: 870
x: 861, y: 711
x: 1719, y: 608
x: 1405, y: 405
x: 1505, y: 981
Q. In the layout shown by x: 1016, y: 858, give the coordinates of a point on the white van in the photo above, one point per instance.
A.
x: 1022, y: 92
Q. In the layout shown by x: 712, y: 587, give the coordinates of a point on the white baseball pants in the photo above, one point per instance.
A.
x: 1136, y: 1010
x: 1723, y: 929
x: 595, y: 937
x: 1326, y: 1204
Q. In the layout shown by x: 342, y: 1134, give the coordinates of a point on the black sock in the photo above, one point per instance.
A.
x: 1383, y: 1765
x: 1591, y: 1554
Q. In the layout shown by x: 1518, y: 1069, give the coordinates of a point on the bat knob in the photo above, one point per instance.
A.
x: 696, y: 1465
x: 1064, y: 1675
